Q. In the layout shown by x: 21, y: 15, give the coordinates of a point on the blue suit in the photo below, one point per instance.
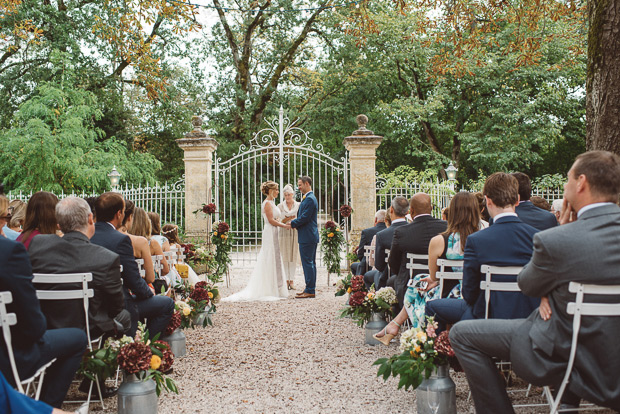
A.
x: 509, y: 242
x: 534, y: 216
x: 33, y: 345
x: 308, y: 238
x: 139, y: 300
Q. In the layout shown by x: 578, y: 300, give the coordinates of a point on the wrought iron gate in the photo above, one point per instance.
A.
x: 281, y: 153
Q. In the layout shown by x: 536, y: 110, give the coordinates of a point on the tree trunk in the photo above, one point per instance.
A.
x: 603, y: 81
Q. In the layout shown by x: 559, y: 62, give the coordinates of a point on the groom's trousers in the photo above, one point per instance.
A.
x: 307, y: 253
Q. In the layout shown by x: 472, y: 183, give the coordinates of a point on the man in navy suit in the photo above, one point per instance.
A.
x: 526, y: 211
x: 509, y: 242
x: 361, y: 267
x: 379, y: 275
x: 307, y: 235
x: 33, y: 345
x: 139, y: 299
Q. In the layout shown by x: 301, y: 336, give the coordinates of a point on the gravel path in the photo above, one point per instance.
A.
x: 290, y: 356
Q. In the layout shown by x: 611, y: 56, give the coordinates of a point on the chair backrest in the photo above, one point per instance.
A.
x: 6, y: 321
x: 140, y: 263
x: 180, y: 255
x: 581, y: 308
x: 83, y: 293
x: 416, y: 266
x: 488, y: 285
x: 170, y: 257
x: 157, y: 266
x: 443, y: 275
x: 369, y: 253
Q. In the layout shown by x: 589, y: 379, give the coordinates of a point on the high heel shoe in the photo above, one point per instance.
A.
x: 386, y: 338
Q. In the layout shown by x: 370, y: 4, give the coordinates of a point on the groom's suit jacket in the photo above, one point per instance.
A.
x: 306, y: 221
x: 585, y: 251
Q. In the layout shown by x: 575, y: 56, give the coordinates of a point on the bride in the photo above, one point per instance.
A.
x: 267, y: 281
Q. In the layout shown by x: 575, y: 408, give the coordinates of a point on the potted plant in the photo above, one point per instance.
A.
x: 424, y: 364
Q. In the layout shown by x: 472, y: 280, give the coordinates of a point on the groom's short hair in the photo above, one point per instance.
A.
x: 306, y: 179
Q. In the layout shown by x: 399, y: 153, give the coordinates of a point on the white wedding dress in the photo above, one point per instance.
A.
x: 267, y: 281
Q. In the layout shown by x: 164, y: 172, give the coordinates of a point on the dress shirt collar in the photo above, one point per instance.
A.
x: 114, y: 227
x: 420, y: 215
x: 398, y: 220
x: 501, y: 215
x: 591, y: 206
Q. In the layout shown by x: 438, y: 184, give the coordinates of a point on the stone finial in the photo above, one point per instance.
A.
x: 362, y: 121
x: 197, y: 132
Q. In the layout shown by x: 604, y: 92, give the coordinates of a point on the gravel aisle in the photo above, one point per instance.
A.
x: 290, y: 356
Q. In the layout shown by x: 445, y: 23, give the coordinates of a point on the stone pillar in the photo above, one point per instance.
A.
x: 362, y: 146
x: 198, y: 156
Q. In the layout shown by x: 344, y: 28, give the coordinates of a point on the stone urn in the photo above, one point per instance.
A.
x: 137, y: 396
x: 438, y: 390
x: 176, y: 340
x: 375, y: 324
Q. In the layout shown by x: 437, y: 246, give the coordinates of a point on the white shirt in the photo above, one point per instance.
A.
x: 420, y: 215
x: 398, y: 220
x: 499, y: 216
x: 591, y: 206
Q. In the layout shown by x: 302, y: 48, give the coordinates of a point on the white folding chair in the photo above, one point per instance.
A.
x: 442, y: 275
x: 416, y: 266
x: 170, y: 257
x: 6, y: 321
x: 578, y: 309
x: 140, y: 263
x: 157, y: 265
x: 369, y: 252
x: 83, y: 293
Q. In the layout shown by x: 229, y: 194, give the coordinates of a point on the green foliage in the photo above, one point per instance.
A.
x: 343, y: 285
x: 222, y: 239
x: 53, y: 144
x: 332, y: 243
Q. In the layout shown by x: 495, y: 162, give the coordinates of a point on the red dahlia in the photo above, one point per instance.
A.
x: 167, y: 358
x: 357, y: 298
x: 223, y: 227
x: 208, y: 208
x: 175, y: 322
x: 357, y: 283
x: 134, y: 357
x: 199, y: 294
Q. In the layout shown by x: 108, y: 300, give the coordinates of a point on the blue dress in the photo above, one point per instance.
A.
x: 12, y: 402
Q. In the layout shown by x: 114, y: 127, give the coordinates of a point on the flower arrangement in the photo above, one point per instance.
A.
x: 194, y: 300
x: 206, y: 209
x: 421, y: 351
x: 362, y: 303
x: 222, y: 240
x: 141, y: 356
x: 345, y: 210
x: 343, y: 286
x: 332, y: 241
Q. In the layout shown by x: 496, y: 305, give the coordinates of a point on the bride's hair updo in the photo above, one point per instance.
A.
x: 267, y: 186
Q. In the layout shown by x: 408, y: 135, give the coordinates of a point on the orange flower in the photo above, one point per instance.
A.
x: 210, y: 295
x: 155, y: 362
x: 330, y: 235
x: 215, y: 233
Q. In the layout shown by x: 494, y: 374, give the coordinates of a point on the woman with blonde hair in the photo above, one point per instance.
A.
x: 267, y: 279
x: 141, y: 226
x: 140, y: 244
x: 156, y: 231
x: 289, y: 247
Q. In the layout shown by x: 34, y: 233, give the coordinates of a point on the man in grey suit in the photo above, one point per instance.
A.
x: 73, y: 253
x: 583, y: 249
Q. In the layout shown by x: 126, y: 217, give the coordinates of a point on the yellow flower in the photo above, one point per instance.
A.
x: 215, y: 233
x: 330, y: 235
x: 349, y: 290
x: 370, y: 295
x: 412, y: 353
x: 421, y: 336
x: 418, y: 349
x: 155, y: 362
x: 186, y: 311
x: 223, y: 236
x: 210, y: 295
x: 338, y: 229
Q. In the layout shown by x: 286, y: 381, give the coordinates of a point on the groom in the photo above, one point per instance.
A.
x: 307, y: 235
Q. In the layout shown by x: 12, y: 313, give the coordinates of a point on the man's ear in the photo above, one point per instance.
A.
x: 91, y: 220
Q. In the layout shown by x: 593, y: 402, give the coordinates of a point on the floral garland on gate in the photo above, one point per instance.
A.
x: 222, y: 239
x: 332, y: 241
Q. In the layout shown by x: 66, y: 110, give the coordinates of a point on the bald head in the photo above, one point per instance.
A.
x: 420, y: 204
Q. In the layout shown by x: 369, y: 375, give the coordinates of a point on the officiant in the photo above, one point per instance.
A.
x: 288, y: 237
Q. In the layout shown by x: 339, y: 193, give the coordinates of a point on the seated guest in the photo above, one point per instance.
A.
x: 508, y: 242
x: 171, y: 233
x: 40, y: 217
x: 360, y: 267
x: 91, y: 203
x: 141, y: 226
x: 482, y: 204
x: 413, y: 238
x: 156, y: 231
x: 463, y: 220
x: 34, y: 345
x: 14, y: 402
x: 540, y: 203
x: 556, y: 208
x: 583, y: 249
x: 373, y: 243
x: 17, y: 210
x: 5, y: 216
x: 139, y: 299
x: 379, y: 275
x: 140, y: 244
x: 526, y: 210
x: 74, y: 253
